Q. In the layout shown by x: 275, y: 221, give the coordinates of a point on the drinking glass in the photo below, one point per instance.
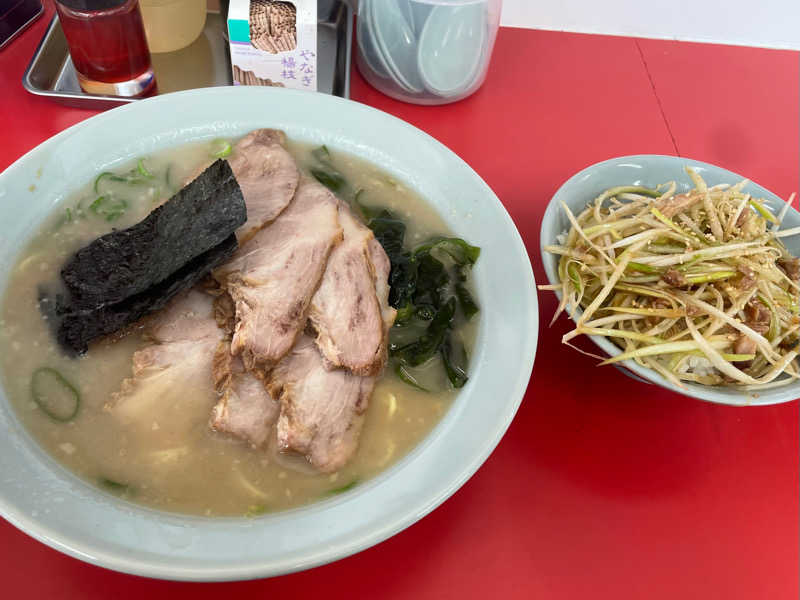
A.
x: 108, y: 47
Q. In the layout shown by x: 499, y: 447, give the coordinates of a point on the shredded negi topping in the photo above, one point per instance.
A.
x: 696, y: 286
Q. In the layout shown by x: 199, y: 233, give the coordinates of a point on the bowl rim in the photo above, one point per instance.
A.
x: 144, y: 564
x: 629, y: 367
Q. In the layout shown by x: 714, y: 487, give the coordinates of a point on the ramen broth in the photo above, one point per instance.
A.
x: 168, y: 457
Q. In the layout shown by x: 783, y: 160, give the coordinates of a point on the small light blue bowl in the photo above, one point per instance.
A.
x: 651, y: 170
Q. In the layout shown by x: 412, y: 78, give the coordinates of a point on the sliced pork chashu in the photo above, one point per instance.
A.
x: 172, y: 373
x: 267, y: 175
x: 345, y: 311
x: 322, y: 411
x: 272, y: 277
x: 381, y: 266
x: 245, y: 408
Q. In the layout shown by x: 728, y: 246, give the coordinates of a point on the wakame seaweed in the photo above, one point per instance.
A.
x: 460, y: 250
x: 465, y: 301
x: 325, y: 172
x: 425, y: 347
x: 426, y: 292
x: 454, y: 357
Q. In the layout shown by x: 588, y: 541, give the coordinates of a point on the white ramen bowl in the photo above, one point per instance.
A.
x: 651, y: 170
x: 48, y: 502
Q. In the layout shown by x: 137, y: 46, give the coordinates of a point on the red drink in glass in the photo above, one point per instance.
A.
x: 108, y: 46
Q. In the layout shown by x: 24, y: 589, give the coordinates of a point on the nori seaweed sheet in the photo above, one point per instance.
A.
x: 77, y: 327
x: 129, y: 261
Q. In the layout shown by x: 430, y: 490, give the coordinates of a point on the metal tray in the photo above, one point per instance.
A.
x: 205, y: 63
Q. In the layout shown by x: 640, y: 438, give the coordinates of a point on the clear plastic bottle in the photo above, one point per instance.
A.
x: 172, y: 24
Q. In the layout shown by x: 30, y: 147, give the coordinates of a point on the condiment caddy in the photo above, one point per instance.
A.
x: 203, y: 63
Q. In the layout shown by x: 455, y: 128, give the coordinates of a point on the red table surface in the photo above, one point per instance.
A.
x: 603, y: 487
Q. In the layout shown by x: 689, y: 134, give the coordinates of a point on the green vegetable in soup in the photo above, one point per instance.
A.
x: 424, y: 289
x: 220, y: 148
x: 254, y: 510
x: 115, y: 487
x: 330, y: 179
x: 54, y: 395
x: 322, y: 154
x: 406, y: 374
x: 109, y: 201
x: 138, y: 176
x: 342, y: 489
x: 461, y: 252
x: 324, y: 171
x: 455, y: 360
x: 428, y: 285
x: 108, y: 207
x: 465, y: 301
x: 367, y: 212
x: 429, y: 343
x: 107, y: 175
x: 142, y: 170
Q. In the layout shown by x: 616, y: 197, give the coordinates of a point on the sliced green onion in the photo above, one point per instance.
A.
x: 667, y: 221
x: 627, y: 189
x: 763, y: 211
x: 631, y: 335
x: 644, y: 291
x: 635, y: 266
x: 668, y: 348
x: 342, y: 489
x: 653, y: 334
x: 107, y: 175
x: 109, y: 207
x: 774, y: 319
x: 255, y: 510
x: 575, y: 276
x: 221, y: 148
x: 706, y: 277
x: 687, y: 265
x: 143, y: 170
x: 655, y: 312
x: 54, y: 395
x: 115, y: 487
x: 737, y: 357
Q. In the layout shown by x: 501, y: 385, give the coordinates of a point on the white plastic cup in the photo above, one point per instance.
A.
x: 426, y: 51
